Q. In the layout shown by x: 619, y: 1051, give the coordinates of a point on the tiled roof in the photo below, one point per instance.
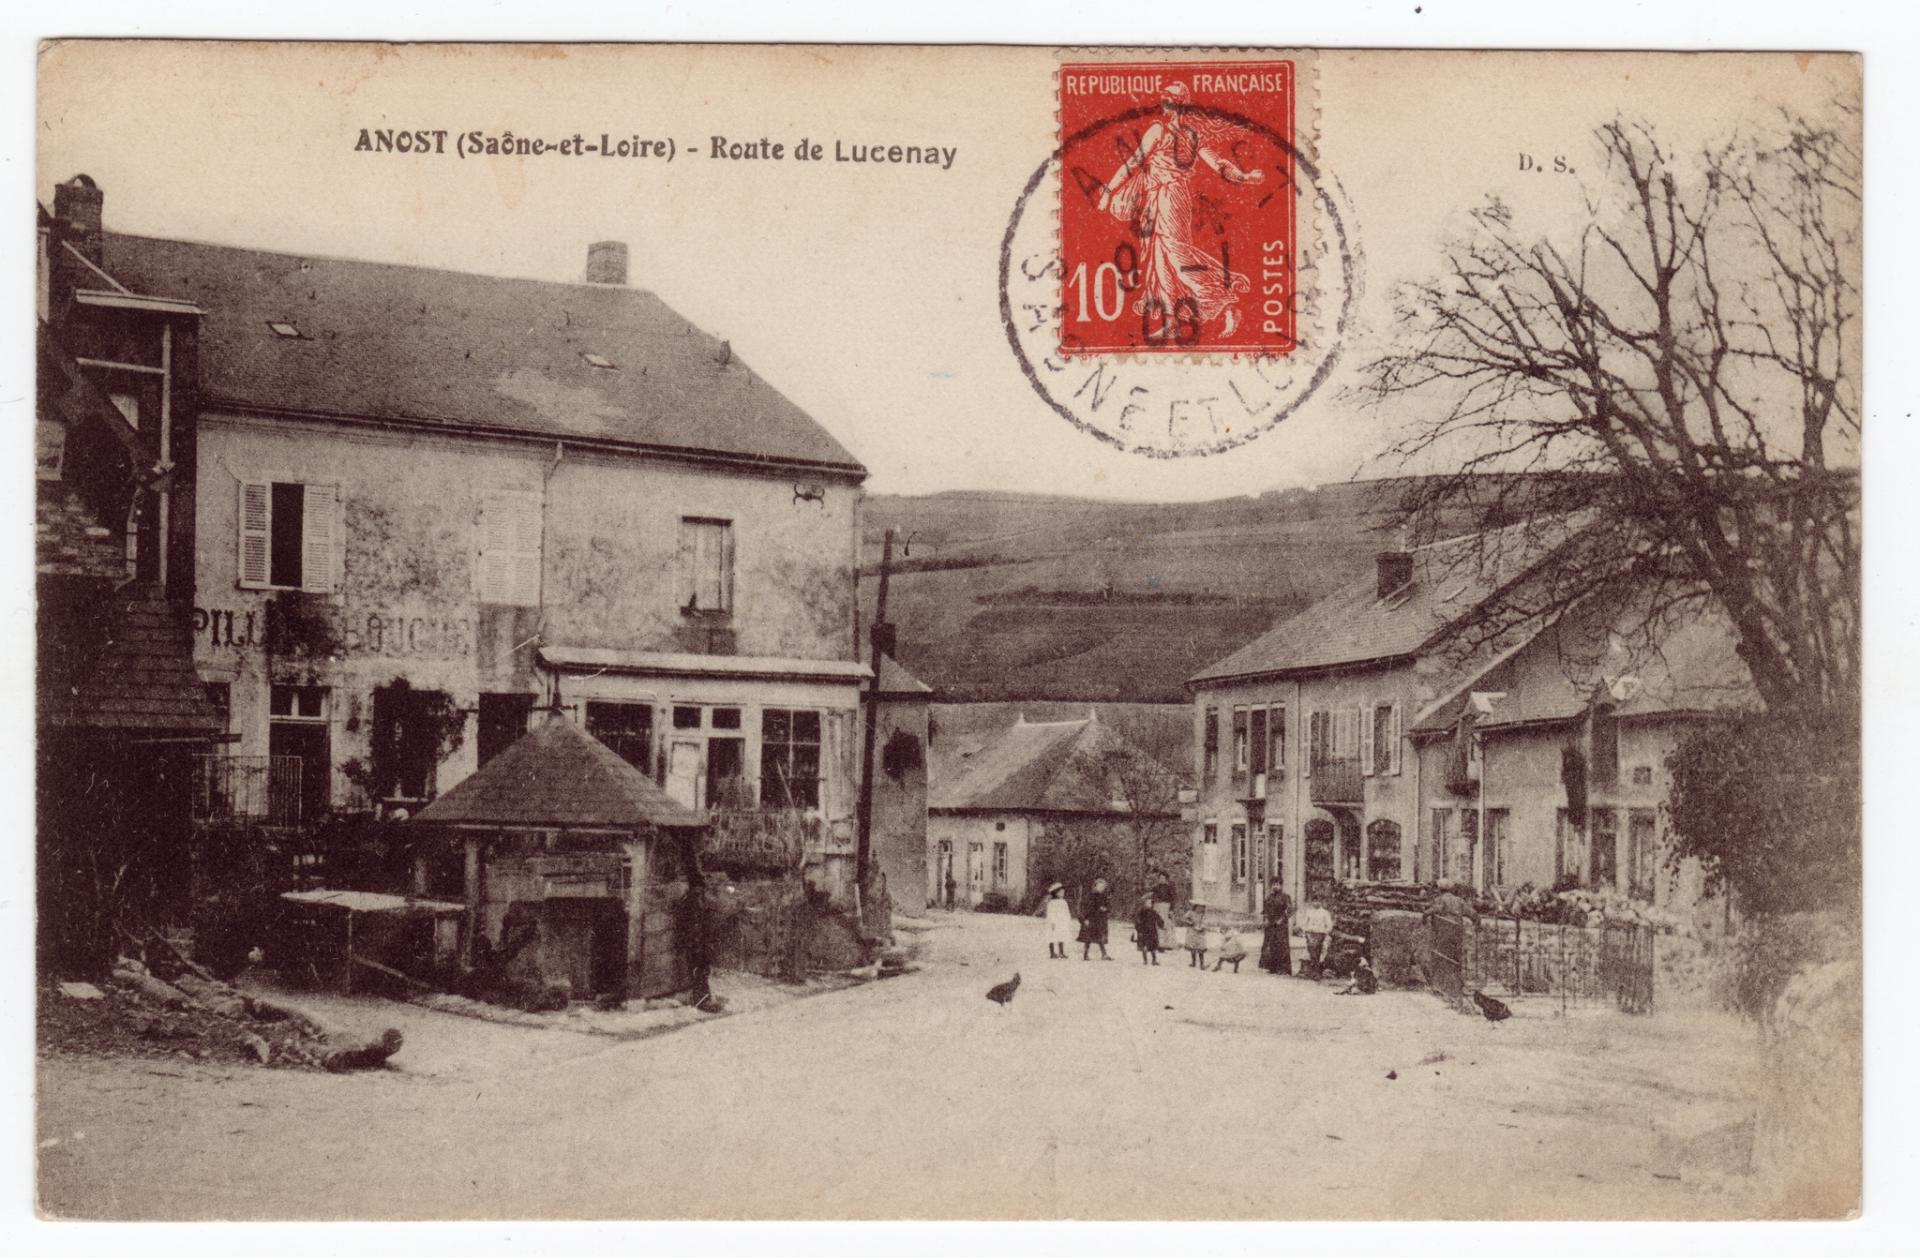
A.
x: 140, y: 680
x: 558, y: 776
x: 1354, y: 625
x: 1031, y: 767
x: 381, y: 341
x: 1694, y: 669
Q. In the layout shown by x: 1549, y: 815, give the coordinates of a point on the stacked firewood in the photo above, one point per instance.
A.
x: 1354, y: 907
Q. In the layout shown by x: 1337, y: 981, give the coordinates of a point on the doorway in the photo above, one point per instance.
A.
x: 1317, y: 862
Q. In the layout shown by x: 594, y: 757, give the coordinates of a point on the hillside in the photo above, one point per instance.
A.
x: 1016, y: 596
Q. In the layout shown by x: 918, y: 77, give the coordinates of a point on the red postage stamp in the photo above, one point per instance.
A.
x: 1177, y: 208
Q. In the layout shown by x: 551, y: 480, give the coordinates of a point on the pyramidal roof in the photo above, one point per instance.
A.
x: 554, y: 777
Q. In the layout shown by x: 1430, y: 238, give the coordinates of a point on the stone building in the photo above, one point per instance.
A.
x: 425, y: 504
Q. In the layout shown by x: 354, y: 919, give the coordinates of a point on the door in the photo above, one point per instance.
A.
x: 309, y: 744
x: 1317, y: 862
x: 683, y: 772
x: 976, y: 872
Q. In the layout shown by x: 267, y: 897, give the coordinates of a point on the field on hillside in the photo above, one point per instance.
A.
x: 1024, y: 597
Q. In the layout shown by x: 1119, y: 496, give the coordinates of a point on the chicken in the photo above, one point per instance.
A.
x: 1490, y: 1009
x: 1001, y: 993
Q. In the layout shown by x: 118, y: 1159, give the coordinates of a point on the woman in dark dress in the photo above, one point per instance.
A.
x: 1276, y: 942
x: 1093, y: 921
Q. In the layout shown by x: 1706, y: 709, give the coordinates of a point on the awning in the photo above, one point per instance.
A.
x: 585, y: 659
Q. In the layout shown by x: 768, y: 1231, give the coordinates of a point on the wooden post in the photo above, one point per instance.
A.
x: 863, y: 851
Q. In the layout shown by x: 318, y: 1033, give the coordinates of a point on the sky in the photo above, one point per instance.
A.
x: 867, y: 294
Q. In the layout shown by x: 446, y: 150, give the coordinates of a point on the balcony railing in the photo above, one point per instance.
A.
x: 263, y: 789
x: 1336, y: 780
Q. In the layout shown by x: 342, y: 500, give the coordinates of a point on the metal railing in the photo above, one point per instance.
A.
x: 264, y: 789
x: 1336, y: 780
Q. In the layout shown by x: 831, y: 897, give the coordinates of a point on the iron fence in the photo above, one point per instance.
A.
x: 264, y: 789
x: 1608, y: 963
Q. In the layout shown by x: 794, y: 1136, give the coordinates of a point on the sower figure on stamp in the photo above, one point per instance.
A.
x: 1152, y: 190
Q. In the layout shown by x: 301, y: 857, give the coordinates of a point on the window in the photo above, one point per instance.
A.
x: 1606, y: 847
x: 1210, y: 744
x: 1276, y: 852
x: 1210, y: 852
x: 706, y: 566
x: 406, y: 741
x: 1640, y: 853
x: 220, y: 699
x: 999, y: 865
x: 1277, y: 739
x: 686, y: 716
x: 1468, y: 846
x: 789, y: 758
x: 509, y: 567
x: 1383, y: 851
x: 1499, y: 857
x: 1257, y: 740
x: 298, y: 731
x: 1569, y: 847
x: 1239, y: 741
x: 1319, y: 738
x: 1383, y: 751
x: 1643, y: 775
x: 1239, y: 853
x: 976, y: 865
x: 1442, y: 842
x: 1604, y: 769
x: 626, y: 729
x: 289, y: 536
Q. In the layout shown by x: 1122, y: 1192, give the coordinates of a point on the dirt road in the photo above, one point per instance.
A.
x: 1103, y: 1090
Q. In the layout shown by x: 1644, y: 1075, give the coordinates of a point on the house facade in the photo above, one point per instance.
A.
x: 1002, y: 812
x: 1549, y: 768
x: 1305, y: 773
x: 427, y: 506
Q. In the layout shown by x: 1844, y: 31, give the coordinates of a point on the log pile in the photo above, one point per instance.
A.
x: 197, y: 1008
x: 1355, y: 905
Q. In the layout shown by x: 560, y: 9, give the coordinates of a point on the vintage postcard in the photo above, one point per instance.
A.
x: 812, y: 632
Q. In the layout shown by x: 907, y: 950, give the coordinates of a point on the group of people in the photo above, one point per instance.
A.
x: 1155, y: 930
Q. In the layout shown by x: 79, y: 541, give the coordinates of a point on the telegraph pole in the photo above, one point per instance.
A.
x: 880, y: 636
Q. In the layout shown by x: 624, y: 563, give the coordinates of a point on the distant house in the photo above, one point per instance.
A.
x: 1300, y: 747
x: 411, y: 507
x: 994, y: 806
x: 1554, y: 757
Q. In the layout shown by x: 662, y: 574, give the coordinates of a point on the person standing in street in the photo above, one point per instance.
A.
x: 1163, y: 906
x: 1093, y: 921
x: 1196, y: 935
x: 1146, y: 932
x: 1317, y: 924
x: 1276, y: 942
x: 1059, y: 915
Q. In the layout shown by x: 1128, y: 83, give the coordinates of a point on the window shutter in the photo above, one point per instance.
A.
x: 726, y: 566
x: 510, y: 536
x: 319, y: 538
x: 256, y: 533
x: 1366, y: 740
x: 689, y: 561
x: 1394, y: 751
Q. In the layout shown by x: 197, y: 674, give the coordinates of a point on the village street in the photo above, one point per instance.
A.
x: 1102, y: 1090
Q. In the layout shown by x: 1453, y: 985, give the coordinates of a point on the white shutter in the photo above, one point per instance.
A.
x: 1366, y: 740
x: 1394, y: 751
x: 256, y: 534
x: 510, y: 536
x: 319, y: 537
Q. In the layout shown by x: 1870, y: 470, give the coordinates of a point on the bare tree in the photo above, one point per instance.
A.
x: 1128, y: 824
x: 1678, y: 373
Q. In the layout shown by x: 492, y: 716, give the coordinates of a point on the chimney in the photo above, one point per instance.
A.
x: 607, y: 262
x: 1393, y: 569
x: 77, y: 211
